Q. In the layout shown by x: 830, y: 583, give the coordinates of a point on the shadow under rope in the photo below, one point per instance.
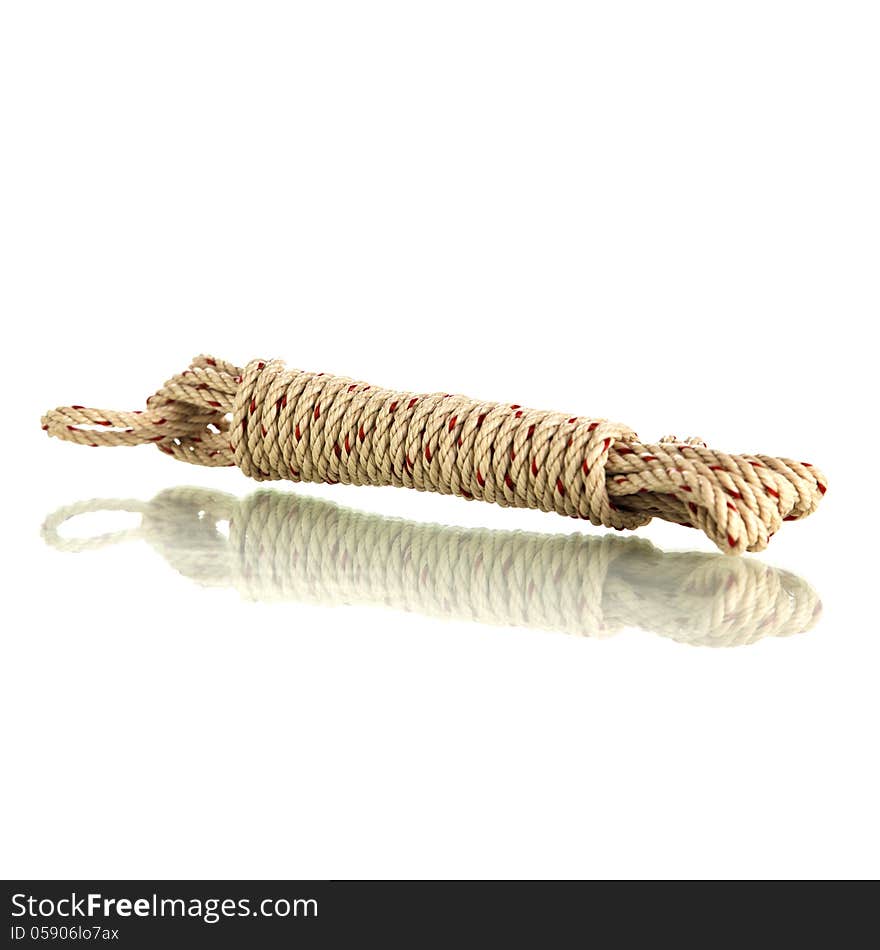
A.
x: 279, y: 546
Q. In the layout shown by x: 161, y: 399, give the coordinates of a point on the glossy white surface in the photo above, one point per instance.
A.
x: 662, y: 214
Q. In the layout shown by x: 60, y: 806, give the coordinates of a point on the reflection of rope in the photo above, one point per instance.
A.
x: 275, y: 423
x: 281, y: 546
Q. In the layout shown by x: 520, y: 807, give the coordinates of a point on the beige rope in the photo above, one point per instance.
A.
x: 276, y: 423
x: 282, y: 547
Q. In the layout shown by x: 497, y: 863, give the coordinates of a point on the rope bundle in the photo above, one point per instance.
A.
x: 277, y: 423
x: 275, y: 546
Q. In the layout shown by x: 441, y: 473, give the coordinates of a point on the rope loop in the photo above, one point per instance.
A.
x: 51, y: 526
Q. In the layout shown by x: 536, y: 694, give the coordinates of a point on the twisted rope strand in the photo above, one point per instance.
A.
x: 283, y: 547
x: 277, y: 423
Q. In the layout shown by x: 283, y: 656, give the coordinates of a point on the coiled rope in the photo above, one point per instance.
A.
x: 278, y: 423
x: 274, y: 546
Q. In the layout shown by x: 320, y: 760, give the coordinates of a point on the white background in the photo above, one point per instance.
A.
x: 662, y: 213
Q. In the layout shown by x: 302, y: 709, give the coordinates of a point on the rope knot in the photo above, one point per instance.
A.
x: 255, y: 437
